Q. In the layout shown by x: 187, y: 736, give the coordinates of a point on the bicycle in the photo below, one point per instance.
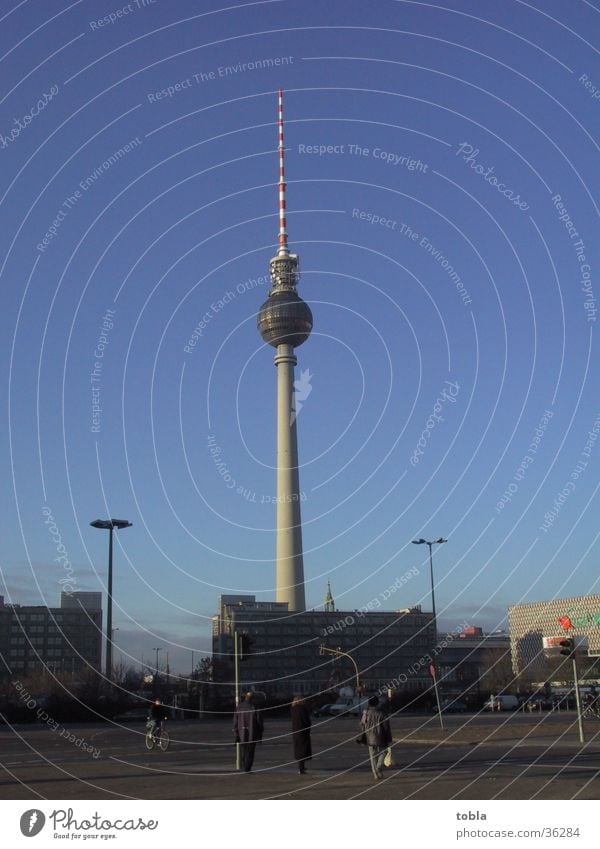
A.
x: 161, y: 739
x: 591, y: 710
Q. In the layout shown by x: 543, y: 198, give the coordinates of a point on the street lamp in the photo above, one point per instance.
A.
x: 109, y: 525
x: 431, y: 544
x: 114, y: 631
x: 439, y: 541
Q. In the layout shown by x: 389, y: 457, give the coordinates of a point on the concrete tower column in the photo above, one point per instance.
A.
x: 289, y: 559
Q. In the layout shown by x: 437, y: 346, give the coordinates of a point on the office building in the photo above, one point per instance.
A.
x: 65, y: 639
x: 389, y: 648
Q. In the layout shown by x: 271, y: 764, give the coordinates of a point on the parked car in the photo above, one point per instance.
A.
x: 352, y: 707
x: 137, y: 714
x: 452, y: 706
x: 502, y: 702
x: 324, y: 710
x: 348, y: 707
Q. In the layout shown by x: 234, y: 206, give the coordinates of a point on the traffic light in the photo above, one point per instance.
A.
x: 244, y: 646
x: 567, y: 647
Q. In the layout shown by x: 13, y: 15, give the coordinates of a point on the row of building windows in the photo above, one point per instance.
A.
x: 37, y: 640
x: 50, y: 653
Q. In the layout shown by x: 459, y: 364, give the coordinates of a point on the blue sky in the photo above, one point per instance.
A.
x: 441, y: 162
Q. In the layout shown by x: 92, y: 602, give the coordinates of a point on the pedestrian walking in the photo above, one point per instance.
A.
x: 301, y: 733
x: 248, y: 730
x: 378, y: 735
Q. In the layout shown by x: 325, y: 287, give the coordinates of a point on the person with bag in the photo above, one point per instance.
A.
x: 377, y: 734
x: 248, y: 730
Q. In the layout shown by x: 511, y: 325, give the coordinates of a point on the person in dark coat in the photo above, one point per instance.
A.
x: 248, y: 730
x: 301, y: 733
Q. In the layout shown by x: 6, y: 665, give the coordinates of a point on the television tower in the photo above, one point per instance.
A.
x: 285, y: 321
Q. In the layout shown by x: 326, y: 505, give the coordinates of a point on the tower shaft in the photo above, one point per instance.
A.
x: 289, y: 559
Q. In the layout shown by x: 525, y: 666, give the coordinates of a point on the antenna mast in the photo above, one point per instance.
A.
x: 283, y: 243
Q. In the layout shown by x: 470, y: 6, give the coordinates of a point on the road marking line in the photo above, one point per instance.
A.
x: 544, y: 765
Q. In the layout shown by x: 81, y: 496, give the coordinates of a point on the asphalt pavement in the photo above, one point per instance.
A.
x: 500, y: 756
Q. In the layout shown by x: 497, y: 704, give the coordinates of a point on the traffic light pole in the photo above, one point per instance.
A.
x: 437, y: 694
x: 340, y: 653
x: 577, y: 697
x: 236, y: 670
x: 569, y: 648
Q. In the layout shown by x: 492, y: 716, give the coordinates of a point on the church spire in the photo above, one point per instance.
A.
x: 329, y: 605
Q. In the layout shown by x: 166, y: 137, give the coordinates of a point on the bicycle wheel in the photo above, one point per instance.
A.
x: 149, y: 739
x: 163, y: 740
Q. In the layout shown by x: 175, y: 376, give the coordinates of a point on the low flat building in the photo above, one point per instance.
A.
x: 389, y: 647
x: 473, y: 664
x: 65, y: 639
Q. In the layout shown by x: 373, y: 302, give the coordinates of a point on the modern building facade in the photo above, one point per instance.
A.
x: 65, y: 639
x: 390, y: 648
x: 577, y: 616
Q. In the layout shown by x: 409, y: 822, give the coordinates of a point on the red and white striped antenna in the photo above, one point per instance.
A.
x: 283, y: 243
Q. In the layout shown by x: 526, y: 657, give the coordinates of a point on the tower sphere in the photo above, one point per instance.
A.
x: 284, y: 319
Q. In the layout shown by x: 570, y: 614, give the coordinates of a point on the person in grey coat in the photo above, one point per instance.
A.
x: 376, y: 727
x: 248, y: 730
